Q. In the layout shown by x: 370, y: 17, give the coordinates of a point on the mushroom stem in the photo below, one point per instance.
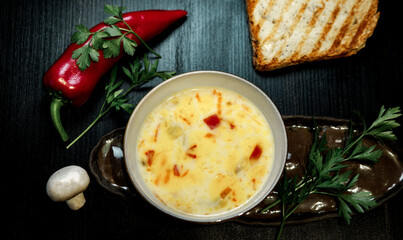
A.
x: 76, y: 202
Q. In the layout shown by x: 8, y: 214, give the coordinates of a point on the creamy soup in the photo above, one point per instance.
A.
x: 205, y: 150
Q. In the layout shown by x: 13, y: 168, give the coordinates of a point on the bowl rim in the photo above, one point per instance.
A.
x: 208, y: 218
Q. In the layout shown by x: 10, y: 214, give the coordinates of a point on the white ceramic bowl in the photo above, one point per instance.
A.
x: 192, y: 80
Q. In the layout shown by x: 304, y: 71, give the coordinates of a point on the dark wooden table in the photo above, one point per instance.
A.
x: 214, y: 36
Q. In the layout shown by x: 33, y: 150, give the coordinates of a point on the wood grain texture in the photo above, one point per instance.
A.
x: 214, y: 36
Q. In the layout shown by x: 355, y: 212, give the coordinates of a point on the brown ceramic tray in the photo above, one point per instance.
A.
x: 383, y: 179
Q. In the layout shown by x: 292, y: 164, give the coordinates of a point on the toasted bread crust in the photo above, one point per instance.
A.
x: 314, y: 31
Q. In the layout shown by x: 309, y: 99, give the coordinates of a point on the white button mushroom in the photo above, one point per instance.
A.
x: 68, y: 184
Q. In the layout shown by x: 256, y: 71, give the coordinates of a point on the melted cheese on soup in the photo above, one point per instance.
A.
x: 205, y: 150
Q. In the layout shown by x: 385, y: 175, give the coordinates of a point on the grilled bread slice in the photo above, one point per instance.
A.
x: 289, y: 32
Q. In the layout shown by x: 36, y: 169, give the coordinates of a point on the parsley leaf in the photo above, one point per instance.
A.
x: 360, y: 201
x: 84, y: 55
x: 115, y: 11
x: 112, y: 20
x: 81, y: 35
x: 364, y: 153
x: 344, y: 210
x: 382, y: 126
x: 113, y: 31
x: 111, y: 48
x: 129, y: 45
x: 98, y: 39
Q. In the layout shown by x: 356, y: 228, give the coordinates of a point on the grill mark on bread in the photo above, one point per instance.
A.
x: 278, y: 21
x: 256, y: 24
x: 308, y: 30
x: 326, y: 29
x: 268, y: 7
x: 297, y: 19
x: 368, y: 21
x: 262, y: 19
x: 251, y: 5
x: 333, y: 50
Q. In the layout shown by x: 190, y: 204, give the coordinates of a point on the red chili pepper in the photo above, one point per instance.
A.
x: 70, y: 84
x: 212, y: 121
x: 176, y: 171
x: 257, y: 152
x: 150, y: 157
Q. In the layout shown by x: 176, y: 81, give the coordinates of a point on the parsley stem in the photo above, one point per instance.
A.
x: 300, y: 185
x: 90, y: 126
x: 135, y: 85
x: 102, y: 107
x: 359, y: 138
x: 280, y: 231
x: 270, y: 206
x: 145, y: 44
x: 353, y: 144
x: 294, y: 208
x: 325, y: 193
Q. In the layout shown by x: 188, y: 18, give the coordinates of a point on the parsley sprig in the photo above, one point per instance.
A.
x: 108, y: 40
x: 324, y: 173
x: 117, y: 96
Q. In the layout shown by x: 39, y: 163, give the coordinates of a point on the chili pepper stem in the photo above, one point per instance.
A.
x: 55, y: 106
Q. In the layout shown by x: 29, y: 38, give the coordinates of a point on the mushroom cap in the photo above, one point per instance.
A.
x: 67, y: 182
